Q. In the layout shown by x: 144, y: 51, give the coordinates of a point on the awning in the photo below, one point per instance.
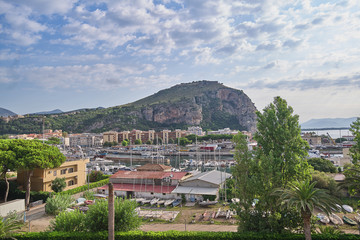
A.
x: 195, y: 190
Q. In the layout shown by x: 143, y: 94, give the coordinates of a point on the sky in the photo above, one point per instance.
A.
x: 72, y: 54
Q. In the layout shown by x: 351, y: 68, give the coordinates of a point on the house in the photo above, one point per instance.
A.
x: 202, y: 184
x: 144, y: 183
x: 154, y: 167
x: 73, y: 170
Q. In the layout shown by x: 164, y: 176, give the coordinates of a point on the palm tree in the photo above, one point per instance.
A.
x: 305, y: 198
x: 352, y: 178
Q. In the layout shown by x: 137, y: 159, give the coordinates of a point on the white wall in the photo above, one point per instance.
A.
x: 17, y: 205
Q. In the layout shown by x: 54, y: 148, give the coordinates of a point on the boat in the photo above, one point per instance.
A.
x: 348, y: 208
x: 349, y: 221
x: 168, y: 202
x: 357, y: 218
x: 207, y: 203
x: 335, y: 219
x: 176, y: 202
x: 145, y: 201
x: 323, y: 218
x: 160, y: 202
x: 154, y: 201
x: 139, y: 200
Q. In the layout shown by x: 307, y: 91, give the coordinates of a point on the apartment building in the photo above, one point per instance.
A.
x: 73, y: 170
x: 110, y: 136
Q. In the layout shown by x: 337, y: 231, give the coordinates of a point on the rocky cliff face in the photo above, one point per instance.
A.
x: 206, y: 109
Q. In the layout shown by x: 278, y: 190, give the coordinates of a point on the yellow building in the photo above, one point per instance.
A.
x: 74, y: 172
x: 111, y: 136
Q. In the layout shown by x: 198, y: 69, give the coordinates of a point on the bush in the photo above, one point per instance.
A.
x: 58, y: 184
x: 96, y: 176
x: 11, y: 223
x: 126, y: 218
x: 69, y: 222
x: 85, y: 187
x: 58, y: 203
x: 169, y: 235
x: 322, y: 165
x: 88, y: 195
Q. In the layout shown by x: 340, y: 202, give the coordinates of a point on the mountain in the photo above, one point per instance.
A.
x: 208, y: 104
x: 5, y: 113
x: 56, y: 111
x: 328, y: 123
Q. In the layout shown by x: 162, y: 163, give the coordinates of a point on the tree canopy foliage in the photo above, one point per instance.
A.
x: 58, y: 184
x: 322, y: 165
x: 355, y: 149
x: 278, y: 160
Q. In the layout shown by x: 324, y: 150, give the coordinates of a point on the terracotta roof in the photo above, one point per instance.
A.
x: 141, y: 188
x: 148, y: 175
x: 153, y: 167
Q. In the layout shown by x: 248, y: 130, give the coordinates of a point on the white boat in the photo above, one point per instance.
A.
x: 348, y: 208
x: 154, y: 201
x: 207, y: 203
x: 168, y: 202
x: 323, y: 218
x: 139, y: 200
x: 335, y: 219
x: 160, y: 202
x: 145, y: 201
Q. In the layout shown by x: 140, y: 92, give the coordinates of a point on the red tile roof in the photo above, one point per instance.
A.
x: 141, y: 188
x: 153, y: 167
x: 148, y: 175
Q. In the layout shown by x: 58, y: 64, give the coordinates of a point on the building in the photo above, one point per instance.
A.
x: 110, y: 136
x: 146, y: 183
x: 202, y: 184
x: 311, y: 139
x: 196, y: 130
x: 224, y: 131
x: 73, y: 170
x: 85, y: 140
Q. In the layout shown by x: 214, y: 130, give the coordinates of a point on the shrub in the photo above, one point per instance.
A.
x: 126, y: 218
x: 85, y: 187
x: 58, y: 203
x: 88, y: 195
x: 69, y: 222
x: 96, y: 176
x: 10, y: 224
x: 58, y: 184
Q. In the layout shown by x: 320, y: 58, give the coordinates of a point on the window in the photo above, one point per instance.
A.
x: 71, y: 182
x: 63, y: 171
x: 164, y: 194
x: 152, y: 193
x: 71, y: 170
x: 55, y: 173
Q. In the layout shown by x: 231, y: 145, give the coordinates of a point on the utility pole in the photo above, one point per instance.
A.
x: 111, y: 216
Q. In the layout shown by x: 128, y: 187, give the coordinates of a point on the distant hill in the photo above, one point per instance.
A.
x: 56, y: 111
x: 208, y: 104
x: 6, y: 113
x: 328, y: 123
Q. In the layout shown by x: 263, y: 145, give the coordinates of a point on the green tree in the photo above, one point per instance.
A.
x: 32, y: 154
x: 126, y: 218
x: 304, y: 197
x: 7, y: 162
x: 124, y: 143
x: 322, y: 165
x: 352, y: 179
x: 278, y: 160
x: 355, y: 149
x: 137, y: 142
x: 96, y: 176
x: 58, y: 184
x: 148, y: 142
x: 183, y: 141
x: 54, y: 140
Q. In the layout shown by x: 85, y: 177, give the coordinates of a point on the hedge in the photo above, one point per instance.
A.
x: 15, y: 193
x: 85, y: 187
x: 133, y: 235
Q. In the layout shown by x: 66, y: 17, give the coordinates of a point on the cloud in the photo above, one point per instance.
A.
x: 308, y: 83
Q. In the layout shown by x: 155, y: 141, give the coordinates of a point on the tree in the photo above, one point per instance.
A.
x: 304, y: 197
x: 322, y: 165
x: 32, y: 154
x: 183, y: 141
x: 58, y: 184
x: 355, y: 149
x: 138, y: 142
x: 280, y: 158
x: 54, y: 140
x: 96, y: 176
x: 148, y: 142
x: 7, y: 162
x: 124, y: 143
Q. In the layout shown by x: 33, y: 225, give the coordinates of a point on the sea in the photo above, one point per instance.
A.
x: 333, y: 133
